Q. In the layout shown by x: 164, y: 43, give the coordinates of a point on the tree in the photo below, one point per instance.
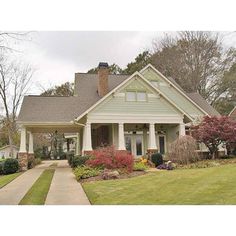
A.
x: 197, y: 61
x: 66, y: 89
x: 215, y: 131
x: 113, y: 69
x: 139, y: 63
x: 15, y: 80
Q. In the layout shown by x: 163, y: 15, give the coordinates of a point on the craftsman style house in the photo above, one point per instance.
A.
x: 141, y: 113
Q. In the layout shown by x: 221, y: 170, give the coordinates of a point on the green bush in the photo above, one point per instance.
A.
x: 10, y: 166
x: 79, y: 161
x: 83, y: 172
x: 37, y: 161
x: 1, y: 167
x: 157, y: 159
x: 70, y: 156
x: 139, y: 166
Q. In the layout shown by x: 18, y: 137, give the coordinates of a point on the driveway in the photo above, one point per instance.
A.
x: 64, y: 189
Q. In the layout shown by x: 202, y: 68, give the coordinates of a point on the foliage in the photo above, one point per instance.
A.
x: 113, y: 69
x: 214, y: 131
x: 79, y: 160
x: 110, y: 158
x: 202, y: 61
x: 70, y: 156
x: 143, y: 160
x: 66, y: 89
x: 1, y: 167
x: 140, y: 62
x: 37, y: 161
x: 157, y: 159
x: 183, y: 150
x: 10, y: 166
x: 165, y: 166
x: 140, y: 166
x: 83, y: 172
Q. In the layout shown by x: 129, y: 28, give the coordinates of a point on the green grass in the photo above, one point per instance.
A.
x: 6, y: 179
x: 216, y: 185
x: 38, y: 192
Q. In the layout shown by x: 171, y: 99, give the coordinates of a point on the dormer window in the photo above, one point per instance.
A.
x: 130, y: 96
x: 141, y: 96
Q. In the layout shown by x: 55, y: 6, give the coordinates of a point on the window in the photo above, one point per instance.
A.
x: 154, y: 83
x: 141, y: 96
x: 131, y: 96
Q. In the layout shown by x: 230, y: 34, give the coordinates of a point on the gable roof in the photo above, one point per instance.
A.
x: 232, y: 114
x: 66, y: 109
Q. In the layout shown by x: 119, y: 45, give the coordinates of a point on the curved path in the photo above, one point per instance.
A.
x: 64, y: 189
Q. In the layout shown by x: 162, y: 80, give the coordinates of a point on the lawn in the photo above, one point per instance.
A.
x: 38, y: 192
x: 215, y: 185
x: 6, y: 179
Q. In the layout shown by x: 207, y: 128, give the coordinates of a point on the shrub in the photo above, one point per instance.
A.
x: 139, y: 166
x: 109, y: 158
x: 83, y: 172
x: 183, y: 150
x: 166, y: 166
x: 79, y: 161
x: 10, y: 166
x: 157, y: 159
x: 37, y: 161
x: 69, y: 156
x: 1, y: 167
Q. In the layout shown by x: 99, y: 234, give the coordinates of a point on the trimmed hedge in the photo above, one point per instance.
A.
x: 79, y: 161
x: 157, y: 159
x: 10, y: 166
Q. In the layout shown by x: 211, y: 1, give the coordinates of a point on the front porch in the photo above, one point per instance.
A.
x: 138, y: 138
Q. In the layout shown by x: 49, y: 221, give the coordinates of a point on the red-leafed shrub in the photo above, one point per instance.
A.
x: 109, y: 158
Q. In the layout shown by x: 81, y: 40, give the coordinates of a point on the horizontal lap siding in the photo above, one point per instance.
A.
x: 173, y: 94
x: 152, y: 106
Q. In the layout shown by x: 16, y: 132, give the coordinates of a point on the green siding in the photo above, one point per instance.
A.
x: 153, y: 105
x: 172, y: 93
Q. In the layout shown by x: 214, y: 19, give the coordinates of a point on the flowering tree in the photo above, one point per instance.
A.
x: 214, y: 131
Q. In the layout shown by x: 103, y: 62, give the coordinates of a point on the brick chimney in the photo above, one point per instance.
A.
x: 103, y: 72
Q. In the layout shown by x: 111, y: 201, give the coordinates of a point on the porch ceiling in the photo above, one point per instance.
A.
x: 53, y: 128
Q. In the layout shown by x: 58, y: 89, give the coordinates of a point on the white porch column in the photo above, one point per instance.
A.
x: 77, y: 149
x: 121, y: 136
x: 181, y: 129
x: 23, y: 140
x: 84, y: 140
x: 31, y: 143
x: 152, y: 137
x: 88, y: 137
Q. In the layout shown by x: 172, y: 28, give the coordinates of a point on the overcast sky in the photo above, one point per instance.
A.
x: 58, y: 55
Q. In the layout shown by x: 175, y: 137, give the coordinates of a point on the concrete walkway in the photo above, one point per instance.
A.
x: 65, y: 190
x: 12, y: 193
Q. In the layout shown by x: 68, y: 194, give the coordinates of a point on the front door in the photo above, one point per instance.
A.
x: 134, y: 144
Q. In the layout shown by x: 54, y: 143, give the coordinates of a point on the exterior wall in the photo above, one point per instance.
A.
x: 172, y: 93
x: 5, y: 152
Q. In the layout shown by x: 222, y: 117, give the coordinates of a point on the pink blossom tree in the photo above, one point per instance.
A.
x: 214, y: 131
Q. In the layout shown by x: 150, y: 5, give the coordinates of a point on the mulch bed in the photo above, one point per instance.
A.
x: 121, y: 176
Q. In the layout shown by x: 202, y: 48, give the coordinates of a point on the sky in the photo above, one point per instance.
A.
x: 57, y: 56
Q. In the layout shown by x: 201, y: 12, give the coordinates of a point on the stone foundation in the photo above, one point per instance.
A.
x: 23, y: 160
x: 31, y: 163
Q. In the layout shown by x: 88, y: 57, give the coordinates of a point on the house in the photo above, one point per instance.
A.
x: 141, y: 113
x: 6, y: 150
x: 232, y: 114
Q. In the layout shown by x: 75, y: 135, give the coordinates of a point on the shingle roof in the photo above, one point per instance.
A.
x: 66, y: 109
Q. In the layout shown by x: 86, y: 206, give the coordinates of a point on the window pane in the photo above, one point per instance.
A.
x: 139, y: 151
x: 141, y: 96
x: 130, y: 96
x: 128, y: 143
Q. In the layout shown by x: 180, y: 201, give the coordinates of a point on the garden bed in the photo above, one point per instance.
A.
x: 121, y: 176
